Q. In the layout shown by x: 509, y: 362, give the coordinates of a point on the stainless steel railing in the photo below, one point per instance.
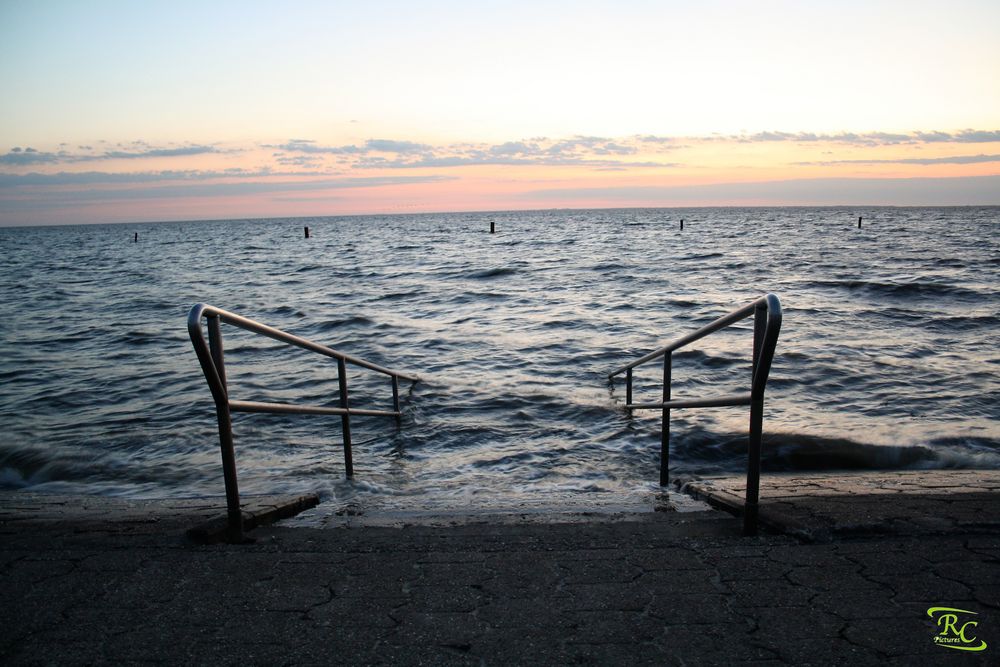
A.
x: 212, y: 361
x: 767, y: 323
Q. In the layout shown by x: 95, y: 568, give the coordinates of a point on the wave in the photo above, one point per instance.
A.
x: 799, y: 452
x: 708, y: 255
x: 708, y: 360
x: 332, y: 325
x: 489, y: 274
x: 900, y: 289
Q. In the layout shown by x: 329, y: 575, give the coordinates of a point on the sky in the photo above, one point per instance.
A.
x: 147, y: 111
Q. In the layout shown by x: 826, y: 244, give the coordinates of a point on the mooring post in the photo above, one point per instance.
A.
x: 859, y: 222
x: 136, y: 239
x: 307, y: 232
x: 493, y: 227
x: 682, y: 224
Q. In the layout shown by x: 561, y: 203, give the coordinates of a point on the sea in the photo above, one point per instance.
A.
x: 888, y: 358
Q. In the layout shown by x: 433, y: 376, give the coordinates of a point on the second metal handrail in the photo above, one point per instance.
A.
x: 212, y: 360
x: 767, y: 323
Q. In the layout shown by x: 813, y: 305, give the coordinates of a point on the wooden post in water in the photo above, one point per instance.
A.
x: 307, y: 232
x: 493, y: 227
x: 682, y: 224
x: 859, y: 222
x: 136, y: 239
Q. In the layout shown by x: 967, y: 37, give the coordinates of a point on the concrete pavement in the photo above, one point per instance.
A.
x: 662, y: 588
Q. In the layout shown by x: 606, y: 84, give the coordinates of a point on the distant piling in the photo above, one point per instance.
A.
x: 493, y: 227
x: 859, y: 222
x: 136, y: 239
x: 682, y: 224
x: 307, y: 232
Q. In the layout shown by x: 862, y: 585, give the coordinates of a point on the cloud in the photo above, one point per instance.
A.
x: 18, y: 157
x: 514, y: 148
x: 310, y: 146
x: 959, y: 191
x: 957, y: 159
x: 653, y: 139
x: 977, y: 136
x: 390, y: 146
x: 483, y: 159
x: 298, y: 160
x: 40, y: 196
x: 595, y: 145
x: 866, y: 138
x: 592, y: 151
x: 371, y: 146
x: 156, y: 152
x: 62, y: 178
x: 394, y: 154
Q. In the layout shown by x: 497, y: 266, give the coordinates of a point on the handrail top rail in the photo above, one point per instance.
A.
x: 768, y: 301
x: 205, y: 310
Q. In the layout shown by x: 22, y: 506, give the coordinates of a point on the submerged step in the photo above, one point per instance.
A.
x: 826, y: 506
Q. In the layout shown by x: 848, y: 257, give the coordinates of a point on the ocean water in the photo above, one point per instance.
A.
x: 888, y: 356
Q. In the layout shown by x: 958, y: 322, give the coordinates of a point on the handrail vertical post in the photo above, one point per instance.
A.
x: 395, y: 397
x: 233, y: 512
x: 759, y: 326
x: 665, y: 422
x: 345, y: 419
x: 750, y: 509
x: 753, y: 466
x: 215, y: 347
x: 628, y: 388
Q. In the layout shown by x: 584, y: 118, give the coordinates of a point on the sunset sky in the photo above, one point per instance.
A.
x: 136, y: 111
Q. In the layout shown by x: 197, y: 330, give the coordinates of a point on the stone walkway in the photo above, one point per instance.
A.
x: 663, y: 588
x: 821, y: 507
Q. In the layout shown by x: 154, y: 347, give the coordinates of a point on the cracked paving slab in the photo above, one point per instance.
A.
x: 822, y: 507
x: 656, y: 588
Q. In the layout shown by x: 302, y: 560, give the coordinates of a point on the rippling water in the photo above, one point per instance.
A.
x: 888, y: 356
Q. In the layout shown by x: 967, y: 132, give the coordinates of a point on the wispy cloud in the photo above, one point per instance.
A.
x: 185, y: 184
x: 956, y: 159
x: 866, y: 138
x: 8, y: 180
x: 590, y: 151
x: 973, y: 190
x: 481, y: 158
x: 304, y: 161
x: 392, y: 146
x: 312, y: 147
x: 370, y: 146
x: 21, y: 157
x: 183, y: 151
x: 396, y: 154
x: 580, y: 150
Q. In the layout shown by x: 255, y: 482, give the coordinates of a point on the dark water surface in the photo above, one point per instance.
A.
x: 888, y: 358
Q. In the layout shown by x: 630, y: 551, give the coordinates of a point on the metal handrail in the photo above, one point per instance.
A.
x: 212, y: 359
x: 767, y: 323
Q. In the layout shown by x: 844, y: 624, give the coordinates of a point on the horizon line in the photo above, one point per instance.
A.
x: 503, y: 211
